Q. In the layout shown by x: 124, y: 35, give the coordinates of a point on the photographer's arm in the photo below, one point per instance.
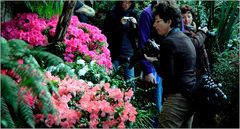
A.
x: 145, y: 27
x: 87, y: 10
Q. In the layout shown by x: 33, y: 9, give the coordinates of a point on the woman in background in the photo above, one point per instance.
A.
x: 120, y: 28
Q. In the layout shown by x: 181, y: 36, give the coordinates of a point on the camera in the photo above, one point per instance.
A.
x: 128, y: 19
x: 210, y: 86
x: 209, y: 33
x: 207, y: 94
x: 150, y: 49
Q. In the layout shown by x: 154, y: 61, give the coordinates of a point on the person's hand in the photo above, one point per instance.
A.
x: 133, y: 20
x: 124, y: 20
x: 151, y: 59
x: 204, y: 29
x: 150, y: 78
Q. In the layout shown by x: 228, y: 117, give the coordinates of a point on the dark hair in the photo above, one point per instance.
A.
x: 167, y: 11
x: 184, y: 9
x: 119, y: 4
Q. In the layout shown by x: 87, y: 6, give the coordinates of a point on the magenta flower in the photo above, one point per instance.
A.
x: 81, y: 39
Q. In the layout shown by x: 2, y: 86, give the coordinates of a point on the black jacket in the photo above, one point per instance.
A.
x: 198, y: 38
x: 177, y: 63
x: 117, y: 33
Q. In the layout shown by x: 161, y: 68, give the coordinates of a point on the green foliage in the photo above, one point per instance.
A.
x: 6, y: 119
x: 46, y: 58
x: 17, y: 113
x: 226, y: 71
x: 101, y: 8
x: 9, y: 91
x: 144, y: 119
x: 228, y: 19
x: 45, y: 8
x: 8, y: 98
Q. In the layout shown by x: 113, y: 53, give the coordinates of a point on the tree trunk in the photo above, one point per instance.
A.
x: 64, y: 20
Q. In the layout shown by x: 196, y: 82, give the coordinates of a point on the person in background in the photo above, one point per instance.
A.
x: 176, y: 66
x: 198, y: 38
x: 83, y: 11
x: 146, y: 32
x: 120, y: 28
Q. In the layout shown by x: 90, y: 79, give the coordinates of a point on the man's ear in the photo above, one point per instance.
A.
x: 169, y: 22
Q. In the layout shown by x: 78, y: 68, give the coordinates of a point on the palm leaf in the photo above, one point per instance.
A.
x: 6, y: 119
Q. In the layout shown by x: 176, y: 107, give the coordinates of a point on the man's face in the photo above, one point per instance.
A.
x: 187, y: 18
x: 126, y: 4
x: 161, y: 26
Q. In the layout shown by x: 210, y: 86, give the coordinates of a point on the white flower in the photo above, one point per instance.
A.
x: 81, y: 62
x: 83, y: 71
x: 72, y: 71
x: 90, y: 84
x: 97, y: 75
x: 92, y: 62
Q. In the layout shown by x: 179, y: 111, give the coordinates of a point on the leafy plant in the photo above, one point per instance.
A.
x: 44, y: 8
x: 228, y: 15
x: 226, y: 70
x: 21, y: 75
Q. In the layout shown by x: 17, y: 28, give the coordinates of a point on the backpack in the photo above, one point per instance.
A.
x: 206, y: 94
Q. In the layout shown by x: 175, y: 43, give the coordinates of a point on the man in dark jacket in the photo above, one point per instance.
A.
x: 120, y: 28
x: 176, y: 67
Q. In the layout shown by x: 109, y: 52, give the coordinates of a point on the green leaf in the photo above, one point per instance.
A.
x: 46, y: 58
x: 9, y: 91
x: 6, y: 118
x: 26, y: 113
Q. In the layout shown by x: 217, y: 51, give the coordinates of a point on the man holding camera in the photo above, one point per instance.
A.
x: 176, y: 66
x: 120, y: 28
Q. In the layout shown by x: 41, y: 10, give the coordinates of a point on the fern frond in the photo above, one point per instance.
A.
x: 6, y: 118
x: 9, y: 91
x: 26, y: 113
x: 46, y: 59
x: 18, y: 47
x: 32, y: 78
x: 5, y: 50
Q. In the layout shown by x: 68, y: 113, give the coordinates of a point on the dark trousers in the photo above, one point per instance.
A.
x: 177, y: 112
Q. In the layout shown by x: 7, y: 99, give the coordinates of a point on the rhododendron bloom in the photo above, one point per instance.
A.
x: 81, y: 39
x: 77, y: 101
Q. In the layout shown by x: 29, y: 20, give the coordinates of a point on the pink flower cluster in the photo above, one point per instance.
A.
x: 99, y: 104
x: 81, y: 39
x: 27, y: 27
